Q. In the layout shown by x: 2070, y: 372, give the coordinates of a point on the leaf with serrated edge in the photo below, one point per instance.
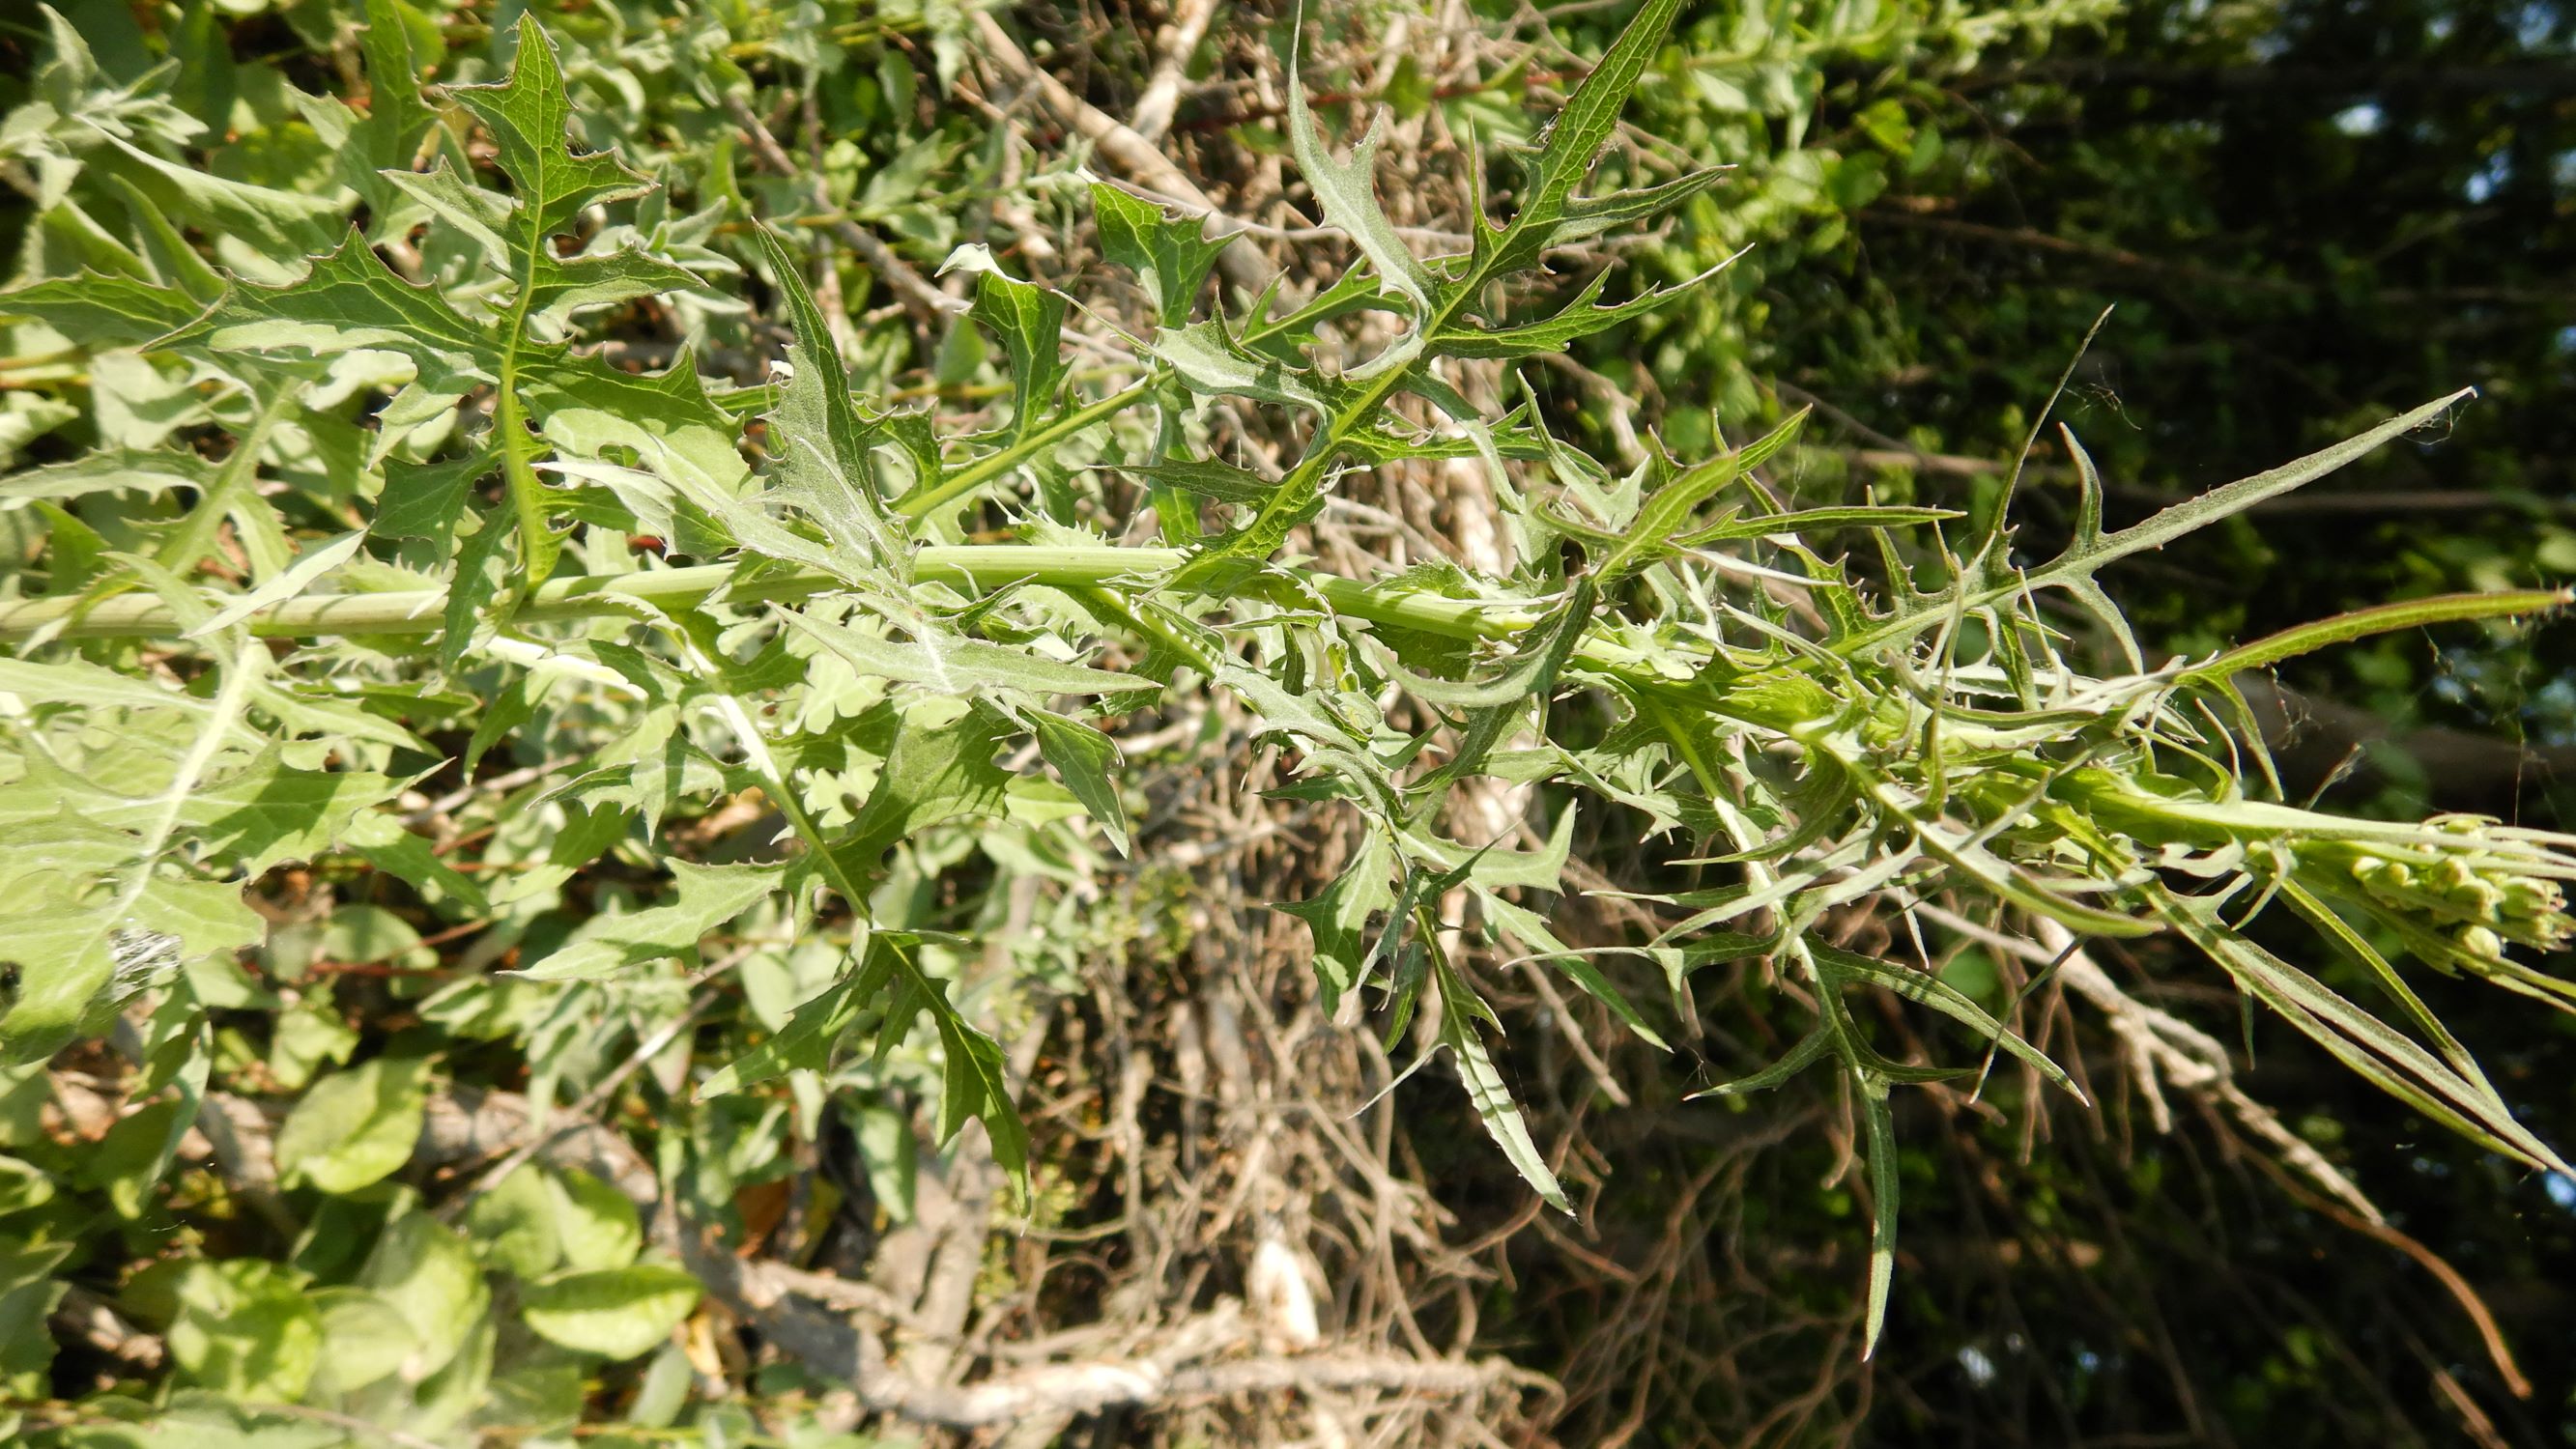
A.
x: 1347, y: 191
x: 1460, y: 1010
x: 1087, y: 761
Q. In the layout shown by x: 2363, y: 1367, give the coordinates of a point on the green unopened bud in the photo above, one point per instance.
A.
x: 2482, y: 943
x: 2477, y: 897
x: 2533, y: 898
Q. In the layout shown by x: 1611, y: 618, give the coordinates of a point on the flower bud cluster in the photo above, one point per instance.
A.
x: 2483, y: 892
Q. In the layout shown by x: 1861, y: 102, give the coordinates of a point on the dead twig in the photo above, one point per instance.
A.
x: 1131, y: 154
x: 925, y: 302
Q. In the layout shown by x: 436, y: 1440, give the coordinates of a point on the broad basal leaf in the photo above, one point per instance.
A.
x: 354, y: 1128
x: 613, y: 1312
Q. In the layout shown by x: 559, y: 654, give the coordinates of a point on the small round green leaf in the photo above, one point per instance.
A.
x: 613, y: 1312
x: 596, y: 1224
x: 514, y: 1225
x: 365, y: 1339
x: 354, y: 1128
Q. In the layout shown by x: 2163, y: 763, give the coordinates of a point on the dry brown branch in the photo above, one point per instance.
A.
x: 86, y: 1317
x: 2162, y: 1046
x: 1179, y: 39
x: 925, y: 302
x: 1129, y: 153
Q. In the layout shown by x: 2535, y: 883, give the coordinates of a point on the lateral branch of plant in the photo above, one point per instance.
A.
x: 1906, y: 738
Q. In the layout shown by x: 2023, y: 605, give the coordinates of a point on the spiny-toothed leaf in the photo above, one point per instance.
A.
x: 1586, y: 217
x: 71, y: 104
x: 425, y: 500
x: 263, y: 812
x: 2380, y: 619
x: 1563, y: 154
x: 685, y: 446
x: 974, y: 1082
x: 1209, y: 361
x: 397, y: 118
x: 605, y: 280
x: 2074, y: 569
x: 1818, y: 520
x: 478, y: 215
x: 1514, y: 437
x: 1287, y: 335
x: 1460, y: 1009
x: 1577, y: 319
x: 1339, y: 916
x: 1525, y: 929
x: 1307, y: 718
x: 2334, y: 928
x: 1650, y: 535
x: 1029, y: 320
x: 1885, y: 1170
x: 2088, y: 497
x: 584, y: 405
x: 410, y: 858
x: 478, y: 580
x: 938, y: 767
x: 101, y: 311
x: 528, y: 116
x: 223, y: 206
x: 174, y: 257
x: 310, y: 565
x: 1550, y: 650
x: 1223, y: 562
x: 1533, y: 669
x: 148, y: 472
x: 80, y: 935
x: 1964, y: 853
x: 1347, y: 191
x: 1771, y: 444
x: 821, y: 441
x: 1208, y: 478
x: 805, y: 1044
x: 350, y: 299
x: 1087, y: 761
x: 954, y: 664
x: 63, y: 682
x: 1942, y: 997
x: 702, y: 898
x: 2387, y: 1058
x: 1170, y: 255
x: 1795, y: 1060
x: 1542, y: 869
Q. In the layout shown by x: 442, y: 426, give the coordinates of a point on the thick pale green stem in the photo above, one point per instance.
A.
x: 142, y: 616
x: 419, y: 612
x: 539, y: 545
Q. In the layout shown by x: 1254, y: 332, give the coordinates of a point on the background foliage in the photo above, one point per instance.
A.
x: 330, y: 1185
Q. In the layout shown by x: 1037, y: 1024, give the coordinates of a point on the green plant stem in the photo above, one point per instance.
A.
x: 414, y: 612
x: 538, y: 544
x: 976, y: 474
x: 1082, y: 567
